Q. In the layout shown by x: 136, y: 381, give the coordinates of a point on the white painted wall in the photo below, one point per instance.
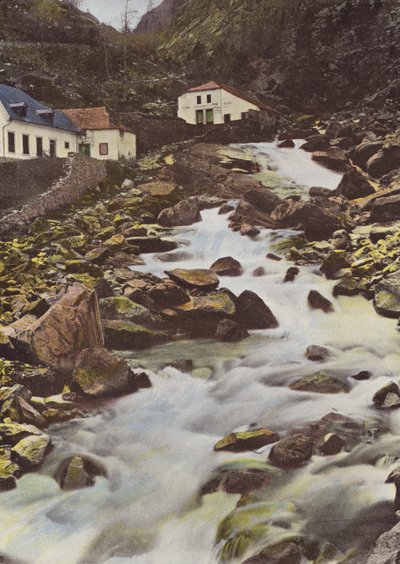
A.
x: 20, y: 128
x: 120, y: 144
x: 222, y: 102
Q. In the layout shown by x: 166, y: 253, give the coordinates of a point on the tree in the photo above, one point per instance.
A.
x: 129, y: 14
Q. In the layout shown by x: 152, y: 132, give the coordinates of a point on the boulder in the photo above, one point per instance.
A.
x: 387, y: 297
x: 388, y: 396
x: 242, y: 477
x: 253, y: 313
x: 332, y: 444
x: 354, y: 185
x: 226, y: 208
x: 40, y: 381
x: 20, y: 411
x: 227, y: 266
x: 69, y: 326
x: 287, y: 144
x: 320, y: 383
x: 30, y: 452
x: 384, y: 161
x: 185, y: 212
x: 286, y: 552
x: 196, y: 278
x: 158, y: 188
x: 9, y: 471
x: 168, y: 294
x: 249, y: 230
x: 316, y: 143
x: 365, y: 151
x: 99, y: 372
x: 333, y: 158
x: 317, y: 353
x: 317, y: 301
x: 12, y: 433
x: 259, y: 271
x: 385, y: 208
x: 152, y: 244
x: 77, y: 472
x: 291, y: 274
x: 386, y: 550
x: 124, y: 335
x: 229, y: 331
x: 348, y: 287
x: 262, y: 199
x: 201, y: 316
x: 121, y: 307
x: 247, y: 440
x: 335, y: 261
x: 292, y: 451
x: 362, y: 375
x: 318, y: 221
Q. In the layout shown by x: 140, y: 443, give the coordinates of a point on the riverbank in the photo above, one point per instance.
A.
x: 166, y: 218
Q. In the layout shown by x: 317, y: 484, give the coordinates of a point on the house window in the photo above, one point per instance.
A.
x: 53, y: 148
x: 25, y: 144
x: 103, y: 148
x: 39, y: 146
x: 11, y: 142
x: 199, y: 99
x: 208, y: 98
x: 66, y: 145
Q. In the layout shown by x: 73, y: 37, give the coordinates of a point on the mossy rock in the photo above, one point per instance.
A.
x: 195, y: 278
x: 320, y: 383
x: 219, y: 304
x: 124, y: 335
x: 247, y: 440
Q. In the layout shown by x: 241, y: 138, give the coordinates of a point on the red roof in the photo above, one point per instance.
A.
x: 212, y: 85
x: 92, y: 118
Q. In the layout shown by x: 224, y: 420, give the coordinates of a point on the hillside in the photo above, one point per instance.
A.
x: 311, y: 53
x: 63, y: 56
x: 159, y: 18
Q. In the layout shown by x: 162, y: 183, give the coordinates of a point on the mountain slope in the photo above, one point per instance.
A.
x: 311, y: 53
x: 160, y: 17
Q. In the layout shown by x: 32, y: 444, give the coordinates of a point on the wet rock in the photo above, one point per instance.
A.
x: 259, y: 271
x: 227, y: 266
x: 333, y: 158
x: 99, y: 373
x: 272, y: 256
x: 246, y: 213
x: 387, y: 297
x: 386, y: 549
x: 384, y: 161
x: 30, y: 452
x: 182, y: 364
x: 320, y: 383
x: 316, y: 143
x: 229, y: 331
x: 332, y: 444
x: 9, y: 471
x: 249, y: 230
x: 317, y: 353
x: 77, y: 472
x: 241, y: 482
x: 152, y: 244
x: 168, y: 294
x: 286, y: 144
x: 365, y: 151
x: 262, y: 199
x: 319, y: 221
x: 363, y: 375
x: 226, y: 208
x: 98, y: 255
x: 137, y: 380
x: 12, y: 433
x: 348, y: 287
x: 185, y: 212
x: 291, y: 274
x: 246, y: 440
x: 56, y: 339
x: 292, y: 451
x: 40, y: 381
x: 317, y: 301
x: 253, y: 313
x: 354, y: 185
x: 388, y: 396
x: 286, y: 552
x: 201, y: 316
x: 124, y: 335
x: 19, y: 410
x: 385, y: 208
x: 194, y: 278
x: 317, y: 191
x: 394, y: 478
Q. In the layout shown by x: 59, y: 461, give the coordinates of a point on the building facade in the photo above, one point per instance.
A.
x: 28, y: 129
x: 216, y: 103
x: 99, y: 137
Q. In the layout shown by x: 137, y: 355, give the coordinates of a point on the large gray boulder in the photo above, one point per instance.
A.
x: 185, y: 212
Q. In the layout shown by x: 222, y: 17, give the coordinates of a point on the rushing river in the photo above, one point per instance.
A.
x: 157, y: 445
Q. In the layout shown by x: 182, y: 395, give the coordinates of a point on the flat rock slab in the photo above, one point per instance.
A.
x: 195, y: 278
x: 219, y: 304
x: 320, y: 383
x: 158, y: 188
x: 248, y: 440
x: 124, y: 335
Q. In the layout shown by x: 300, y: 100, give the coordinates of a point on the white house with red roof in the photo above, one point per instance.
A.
x: 217, y: 103
x: 99, y: 137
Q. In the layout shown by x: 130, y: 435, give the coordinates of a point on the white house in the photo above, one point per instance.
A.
x: 28, y: 129
x: 99, y: 138
x: 216, y: 103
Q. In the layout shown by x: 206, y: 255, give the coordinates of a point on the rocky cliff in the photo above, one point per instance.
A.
x: 312, y: 54
x: 159, y: 18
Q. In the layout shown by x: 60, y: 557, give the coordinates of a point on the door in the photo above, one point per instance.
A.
x: 199, y: 117
x: 39, y: 146
x: 53, y: 148
x: 227, y: 118
x: 84, y: 149
x: 210, y: 116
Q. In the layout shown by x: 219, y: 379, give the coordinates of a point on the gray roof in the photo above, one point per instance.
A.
x: 10, y: 96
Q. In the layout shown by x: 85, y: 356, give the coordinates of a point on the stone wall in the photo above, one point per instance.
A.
x: 80, y: 175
